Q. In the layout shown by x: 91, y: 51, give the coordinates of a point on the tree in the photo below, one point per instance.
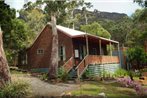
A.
x: 5, y: 77
x: 85, y: 12
x: 70, y: 19
x: 95, y: 29
x: 33, y: 16
x: 137, y: 56
x: 6, y: 17
x: 138, y: 36
x: 54, y: 9
x: 20, y: 38
x: 142, y: 3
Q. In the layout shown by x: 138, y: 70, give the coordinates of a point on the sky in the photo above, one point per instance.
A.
x: 120, y: 6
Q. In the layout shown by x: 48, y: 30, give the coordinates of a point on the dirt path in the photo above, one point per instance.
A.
x: 41, y: 88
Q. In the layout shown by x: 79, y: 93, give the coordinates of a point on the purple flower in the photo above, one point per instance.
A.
x: 127, y: 82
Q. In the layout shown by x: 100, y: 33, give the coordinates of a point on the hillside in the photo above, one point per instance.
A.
x: 114, y: 23
x: 99, y: 15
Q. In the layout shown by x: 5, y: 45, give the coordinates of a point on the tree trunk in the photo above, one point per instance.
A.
x: 54, y: 53
x: 145, y: 45
x: 86, y: 19
x: 4, y: 68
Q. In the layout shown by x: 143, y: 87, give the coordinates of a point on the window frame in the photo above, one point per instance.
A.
x: 40, y: 51
x: 62, y: 53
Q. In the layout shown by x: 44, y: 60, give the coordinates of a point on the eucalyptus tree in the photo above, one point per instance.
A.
x: 55, y: 9
x: 71, y: 18
x: 143, y: 18
x: 96, y: 29
x: 85, y: 12
x: 6, y: 15
x: 34, y: 17
x: 142, y: 3
x: 137, y: 36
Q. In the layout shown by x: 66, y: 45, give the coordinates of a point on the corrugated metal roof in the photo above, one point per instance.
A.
x: 69, y: 31
x: 75, y: 33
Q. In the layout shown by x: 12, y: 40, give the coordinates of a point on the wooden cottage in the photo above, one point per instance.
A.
x: 77, y: 50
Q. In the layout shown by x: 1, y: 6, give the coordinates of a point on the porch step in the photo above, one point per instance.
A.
x: 73, y: 74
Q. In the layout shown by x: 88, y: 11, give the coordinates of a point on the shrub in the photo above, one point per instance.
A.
x: 120, y: 72
x: 62, y: 74
x: 127, y: 82
x: 44, y: 76
x: 143, y: 70
x: 87, y: 74
x: 15, y: 90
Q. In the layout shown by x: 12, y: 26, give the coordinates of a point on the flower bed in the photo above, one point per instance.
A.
x: 127, y: 82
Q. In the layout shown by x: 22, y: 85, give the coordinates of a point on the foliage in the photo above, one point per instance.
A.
x: 119, y: 30
x: 95, y: 29
x: 142, y: 3
x: 136, y: 55
x: 85, y: 12
x: 70, y: 19
x: 62, y: 74
x: 144, y: 70
x: 6, y: 17
x: 16, y: 33
x: 44, y: 76
x: 120, y: 72
x: 19, y: 38
x: 140, y: 21
x: 33, y: 16
x: 127, y: 82
x: 15, y: 90
x: 136, y: 16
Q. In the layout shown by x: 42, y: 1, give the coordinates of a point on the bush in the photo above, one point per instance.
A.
x: 62, y: 74
x: 15, y: 90
x: 127, y: 82
x: 120, y: 72
x: 44, y: 76
x: 143, y: 70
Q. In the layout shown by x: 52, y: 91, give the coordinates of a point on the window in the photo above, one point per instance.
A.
x: 62, y: 55
x: 76, y: 53
x: 40, y: 51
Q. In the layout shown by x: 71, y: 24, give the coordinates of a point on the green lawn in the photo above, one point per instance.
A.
x: 112, y: 90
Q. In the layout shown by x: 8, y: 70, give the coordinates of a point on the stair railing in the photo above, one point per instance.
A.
x: 68, y: 65
x: 82, y: 66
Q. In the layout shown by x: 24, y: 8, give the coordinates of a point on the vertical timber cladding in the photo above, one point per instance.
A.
x: 101, y: 69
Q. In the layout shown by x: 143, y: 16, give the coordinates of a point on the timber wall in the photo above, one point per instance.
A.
x: 44, y: 41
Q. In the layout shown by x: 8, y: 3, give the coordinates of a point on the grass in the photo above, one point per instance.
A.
x: 112, y: 90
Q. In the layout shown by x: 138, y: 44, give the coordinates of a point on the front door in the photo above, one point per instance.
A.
x: 80, y: 53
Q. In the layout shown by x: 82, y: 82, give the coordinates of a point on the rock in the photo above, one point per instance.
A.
x: 102, y: 95
x: 66, y: 94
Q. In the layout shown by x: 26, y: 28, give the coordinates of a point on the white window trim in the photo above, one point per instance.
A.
x: 64, y: 53
x: 41, y: 50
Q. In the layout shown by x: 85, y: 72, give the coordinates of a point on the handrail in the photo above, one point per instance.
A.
x: 81, y: 61
x: 83, y: 69
x: 66, y: 63
x: 92, y: 59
